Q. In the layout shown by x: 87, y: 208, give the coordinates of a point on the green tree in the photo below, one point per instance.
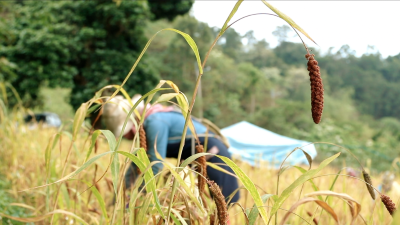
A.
x: 83, y: 45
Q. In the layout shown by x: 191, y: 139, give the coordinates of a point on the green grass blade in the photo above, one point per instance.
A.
x: 166, y: 97
x: 181, y: 219
x: 95, y: 135
x: 115, y: 160
x: 183, y: 184
x: 188, y: 39
x: 287, y: 19
x: 299, y: 181
x: 192, y: 158
x: 234, y: 10
x: 253, y: 214
x: 76, y: 172
x: 99, y: 199
x: 249, y: 185
x: 148, y: 176
x: 49, y: 148
x: 110, y: 139
x: 184, y: 105
x: 78, y: 119
x: 192, y: 44
x: 302, y: 170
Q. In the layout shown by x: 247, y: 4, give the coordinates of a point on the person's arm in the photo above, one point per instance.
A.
x: 156, y: 134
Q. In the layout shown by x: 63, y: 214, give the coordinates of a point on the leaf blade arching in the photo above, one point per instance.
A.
x: 115, y: 160
x: 148, y: 175
x: 300, y: 180
x: 254, y: 211
x: 249, y: 185
x: 234, y: 10
x: 287, y: 19
x: 188, y: 39
x: 78, y: 119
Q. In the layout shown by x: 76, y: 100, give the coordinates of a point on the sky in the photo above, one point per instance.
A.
x: 330, y: 23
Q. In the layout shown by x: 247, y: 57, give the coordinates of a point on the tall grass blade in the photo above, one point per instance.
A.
x: 115, y: 160
x: 234, y: 10
x: 100, y: 199
x: 299, y: 181
x: 95, y: 135
x: 148, y: 176
x: 166, y: 97
x: 47, y: 155
x: 253, y: 214
x: 249, y: 185
x: 188, y: 39
x: 76, y: 172
x: 181, y: 219
x: 183, y: 184
x: 287, y: 19
x: 78, y: 119
x: 311, y: 181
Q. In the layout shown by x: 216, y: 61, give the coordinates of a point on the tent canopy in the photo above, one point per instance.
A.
x: 255, y: 144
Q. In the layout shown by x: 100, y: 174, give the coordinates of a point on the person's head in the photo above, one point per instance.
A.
x: 115, y: 112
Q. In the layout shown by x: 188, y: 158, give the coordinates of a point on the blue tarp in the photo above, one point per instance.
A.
x: 254, y: 144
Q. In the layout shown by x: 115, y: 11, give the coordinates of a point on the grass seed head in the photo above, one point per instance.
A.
x: 220, y: 202
x: 202, y: 169
x: 367, y: 179
x: 389, y: 204
x: 317, y: 88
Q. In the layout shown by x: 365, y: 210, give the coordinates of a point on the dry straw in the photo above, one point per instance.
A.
x: 219, y: 201
x: 389, y: 204
x: 368, y: 181
x: 317, y: 88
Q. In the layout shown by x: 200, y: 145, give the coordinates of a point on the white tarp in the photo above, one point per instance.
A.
x: 254, y: 144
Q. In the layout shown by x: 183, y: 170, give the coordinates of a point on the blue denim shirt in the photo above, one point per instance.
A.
x: 160, y: 127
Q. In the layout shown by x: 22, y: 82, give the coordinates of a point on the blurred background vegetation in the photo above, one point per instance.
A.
x: 58, y: 54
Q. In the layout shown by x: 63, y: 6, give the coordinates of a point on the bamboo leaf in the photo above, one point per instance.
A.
x: 322, y: 204
x: 234, y: 10
x: 249, y: 185
x: 299, y: 181
x: 287, y: 19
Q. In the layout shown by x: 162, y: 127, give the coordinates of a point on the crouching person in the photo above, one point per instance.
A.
x: 164, y: 127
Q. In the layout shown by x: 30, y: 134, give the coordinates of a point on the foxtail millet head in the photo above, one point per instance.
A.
x: 317, y: 88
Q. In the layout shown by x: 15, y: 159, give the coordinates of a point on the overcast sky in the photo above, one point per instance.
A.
x: 329, y: 23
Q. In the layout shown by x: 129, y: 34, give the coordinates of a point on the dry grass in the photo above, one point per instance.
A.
x: 24, y: 165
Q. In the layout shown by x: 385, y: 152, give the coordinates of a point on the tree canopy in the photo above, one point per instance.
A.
x: 83, y: 45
